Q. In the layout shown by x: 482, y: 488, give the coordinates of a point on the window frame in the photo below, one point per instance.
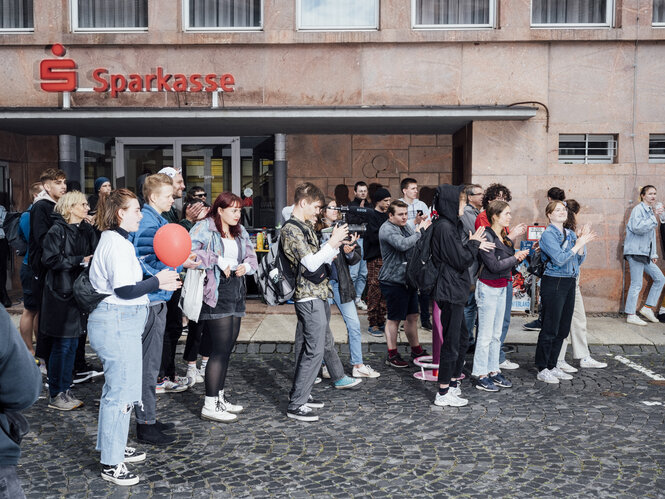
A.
x: 610, y: 15
x: 656, y: 24
x: 6, y: 31
x: 586, y: 159
x: 656, y: 158
x: 186, y: 28
x: 299, y: 27
x: 491, y: 25
x: 74, y: 20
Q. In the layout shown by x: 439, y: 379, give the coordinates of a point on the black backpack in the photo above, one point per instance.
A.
x: 537, y: 260
x: 421, y: 271
x: 276, y: 278
x: 13, y: 233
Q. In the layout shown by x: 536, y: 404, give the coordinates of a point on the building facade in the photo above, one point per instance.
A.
x: 262, y: 94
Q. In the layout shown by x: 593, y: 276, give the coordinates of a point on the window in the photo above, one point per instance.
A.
x: 338, y: 14
x: 215, y: 15
x: 658, y: 13
x: 110, y: 15
x: 657, y: 148
x: 16, y: 15
x: 571, y: 13
x: 453, y: 13
x: 587, y: 148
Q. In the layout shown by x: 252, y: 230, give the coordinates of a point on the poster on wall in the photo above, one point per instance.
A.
x: 522, y: 282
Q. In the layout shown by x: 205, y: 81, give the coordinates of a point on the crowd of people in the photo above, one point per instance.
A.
x: 138, y: 320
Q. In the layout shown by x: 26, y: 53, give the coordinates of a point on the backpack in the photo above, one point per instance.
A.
x: 421, y: 271
x: 537, y: 261
x: 276, y: 278
x: 13, y: 233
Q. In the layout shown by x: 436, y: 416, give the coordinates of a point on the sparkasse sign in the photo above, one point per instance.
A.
x: 61, y: 75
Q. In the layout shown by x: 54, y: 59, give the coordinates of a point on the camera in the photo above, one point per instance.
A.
x: 360, y: 229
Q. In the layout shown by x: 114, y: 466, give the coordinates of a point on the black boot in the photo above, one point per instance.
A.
x: 164, y: 426
x: 150, y: 434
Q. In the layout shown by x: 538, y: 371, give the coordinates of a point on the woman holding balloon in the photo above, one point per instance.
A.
x: 158, y: 193
x: 115, y: 327
x: 227, y: 255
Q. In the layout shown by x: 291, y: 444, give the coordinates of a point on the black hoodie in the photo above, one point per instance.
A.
x: 451, y: 256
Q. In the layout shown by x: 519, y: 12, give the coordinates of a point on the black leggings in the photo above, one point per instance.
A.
x: 221, y: 335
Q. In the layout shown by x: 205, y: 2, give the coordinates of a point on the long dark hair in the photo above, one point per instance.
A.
x: 223, y: 201
x: 573, y: 209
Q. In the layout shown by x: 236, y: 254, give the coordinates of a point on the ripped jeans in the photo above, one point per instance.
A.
x: 115, y: 334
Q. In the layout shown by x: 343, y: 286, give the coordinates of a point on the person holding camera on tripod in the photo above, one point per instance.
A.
x: 397, y: 240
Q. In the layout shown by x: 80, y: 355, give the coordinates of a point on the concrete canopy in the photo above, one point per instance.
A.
x: 151, y: 122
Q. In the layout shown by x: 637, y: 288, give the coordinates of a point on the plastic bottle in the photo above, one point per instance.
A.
x: 266, y: 244
x: 259, y: 241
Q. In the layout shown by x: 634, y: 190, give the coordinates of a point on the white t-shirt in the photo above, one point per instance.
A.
x: 115, y: 265
x: 231, y: 256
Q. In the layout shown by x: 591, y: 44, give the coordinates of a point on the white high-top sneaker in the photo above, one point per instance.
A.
x: 215, y: 410
x: 232, y: 408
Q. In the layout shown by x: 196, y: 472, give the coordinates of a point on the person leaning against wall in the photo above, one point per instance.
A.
x: 641, y: 252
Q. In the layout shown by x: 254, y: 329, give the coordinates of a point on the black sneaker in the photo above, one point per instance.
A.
x: 134, y: 456
x: 149, y: 434
x: 500, y: 380
x: 313, y: 403
x: 416, y: 355
x: 396, y: 361
x: 427, y: 325
x: 119, y: 474
x: 303, y: 413
x: 532, y: 326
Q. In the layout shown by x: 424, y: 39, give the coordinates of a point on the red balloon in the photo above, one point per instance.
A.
x: 172, y: 244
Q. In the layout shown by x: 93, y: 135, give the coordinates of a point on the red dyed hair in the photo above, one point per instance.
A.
x: 223, y: 201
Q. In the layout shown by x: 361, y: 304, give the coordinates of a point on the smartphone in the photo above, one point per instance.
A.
x: 420, y: 213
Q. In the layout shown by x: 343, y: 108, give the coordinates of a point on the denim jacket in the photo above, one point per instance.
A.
x: 560, y: 260
x: 641, y: 233
x: 208, y: 246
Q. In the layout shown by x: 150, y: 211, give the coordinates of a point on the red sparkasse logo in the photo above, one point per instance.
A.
x: 60, y: 75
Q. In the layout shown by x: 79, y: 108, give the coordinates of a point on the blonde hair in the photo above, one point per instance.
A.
x: 67, y: 202
x: 155, y: 182
x: 108, y: 207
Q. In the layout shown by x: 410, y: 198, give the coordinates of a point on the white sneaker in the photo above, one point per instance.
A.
x: 361, y: 304
x: 590, y: 362
x: 232, y: 408
x: 449, y: 399
x: 506, y: 364
x: 317, y: 380
x: 547, y: 376
x: 635, y: 320
x: 559, y: 374
x: 566, y: 367
x: 457, y: 391
x: 202, y: 374
x: 325, y: 373
x: 364, y: 371
x: 192, y: 375
x: 648, y: 313
x: 215, y: 410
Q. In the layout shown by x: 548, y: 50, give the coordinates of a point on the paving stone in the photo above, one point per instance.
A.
x: 383, y: 438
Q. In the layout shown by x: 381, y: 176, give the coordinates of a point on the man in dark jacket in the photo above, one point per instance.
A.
x: 359, y: 270
x: 376, y: 305
x: 453, y: 259
x: 55, y: 186
x: 20, y: 384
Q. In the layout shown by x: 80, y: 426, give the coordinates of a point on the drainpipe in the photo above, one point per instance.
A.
x: 67, y: 158
x: 280, y: 176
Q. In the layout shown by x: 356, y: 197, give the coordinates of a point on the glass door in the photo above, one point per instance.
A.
x: 139, y: 157
x: 213, y: 164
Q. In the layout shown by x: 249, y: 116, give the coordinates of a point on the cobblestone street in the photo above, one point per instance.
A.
x: 600, y: 435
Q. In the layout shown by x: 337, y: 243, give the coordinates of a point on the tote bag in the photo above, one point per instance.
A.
x: 191, y: 297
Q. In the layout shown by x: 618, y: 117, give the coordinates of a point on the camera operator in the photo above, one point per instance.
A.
x: 397, y: 240
x: 359, y: 270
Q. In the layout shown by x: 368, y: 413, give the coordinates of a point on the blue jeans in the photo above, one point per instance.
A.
x: 491, y: 307
x: 10, y: 485
x: 506, y: 319
x: 61, y: 364
x: 359, y: 273
x: 350, y: 315
x: 637, y: 270
x: 470, y: 316
x: 115, y: 334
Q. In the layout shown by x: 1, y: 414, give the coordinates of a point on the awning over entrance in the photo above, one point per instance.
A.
x: 151, y: 122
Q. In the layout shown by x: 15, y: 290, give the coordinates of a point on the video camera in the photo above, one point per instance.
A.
x: 360, y: 229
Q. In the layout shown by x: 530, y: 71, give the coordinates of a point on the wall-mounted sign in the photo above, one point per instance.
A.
x: 533, y: 232
x: 61, y: 75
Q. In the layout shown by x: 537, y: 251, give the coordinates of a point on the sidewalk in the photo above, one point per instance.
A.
x: 274, y: 325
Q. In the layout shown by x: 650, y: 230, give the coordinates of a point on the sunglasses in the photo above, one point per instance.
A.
x: 200, y: 195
